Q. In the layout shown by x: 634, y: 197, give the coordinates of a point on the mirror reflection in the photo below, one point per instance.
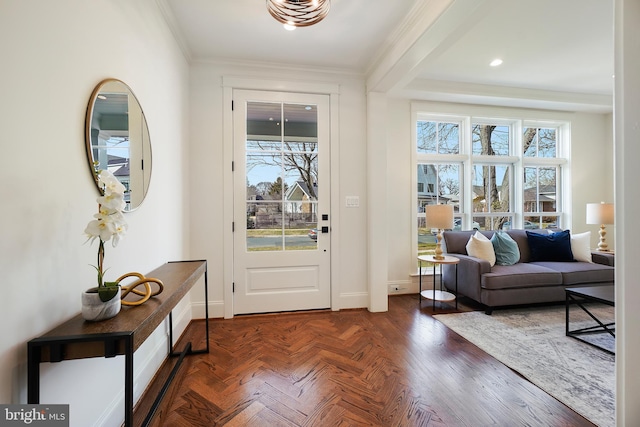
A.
x: 117, y: 139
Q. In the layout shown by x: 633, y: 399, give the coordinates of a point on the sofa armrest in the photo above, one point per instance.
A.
x: 470, y: 271
x: 603, y: 258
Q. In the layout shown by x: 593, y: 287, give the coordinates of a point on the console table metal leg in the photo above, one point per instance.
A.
x: 206, y: 308
x: 128, y: 381
x: 33, y: 373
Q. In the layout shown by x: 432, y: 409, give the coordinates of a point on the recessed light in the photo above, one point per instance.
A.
x: 495, y: 62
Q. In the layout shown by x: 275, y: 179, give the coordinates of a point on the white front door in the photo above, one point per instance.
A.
x: 281, y: 196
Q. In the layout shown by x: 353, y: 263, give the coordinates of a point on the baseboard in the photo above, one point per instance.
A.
x: 181, y: 320
x: 354, y: 300
x: 216, y: 310
x: 412, y: 286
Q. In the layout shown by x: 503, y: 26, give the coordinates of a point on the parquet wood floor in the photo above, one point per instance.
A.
x: 347, y: 368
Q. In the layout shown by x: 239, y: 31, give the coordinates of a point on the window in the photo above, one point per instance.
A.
x: 490, y: 139
x: 438, y: 174
x: 497, y: 173
x: 438, y: 137
x: 539, y: 142
x: 492, y: 195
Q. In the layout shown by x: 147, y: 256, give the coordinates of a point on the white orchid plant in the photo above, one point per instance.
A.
x: 109, y: 224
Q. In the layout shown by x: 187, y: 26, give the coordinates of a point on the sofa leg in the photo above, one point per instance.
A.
x: 488, y: 311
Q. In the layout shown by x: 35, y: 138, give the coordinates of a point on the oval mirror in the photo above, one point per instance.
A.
x: 117, y: 139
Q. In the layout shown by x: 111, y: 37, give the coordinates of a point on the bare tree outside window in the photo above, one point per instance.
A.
x: 438, y: 137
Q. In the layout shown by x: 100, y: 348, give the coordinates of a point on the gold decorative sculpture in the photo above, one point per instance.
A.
x: 131, y: 288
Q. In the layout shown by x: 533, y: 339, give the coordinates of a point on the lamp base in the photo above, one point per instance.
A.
x: 602, y: 245
x: 438, y: 254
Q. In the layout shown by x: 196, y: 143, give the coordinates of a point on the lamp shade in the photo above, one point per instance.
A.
x: 439, y: 216
x: 600, y: 213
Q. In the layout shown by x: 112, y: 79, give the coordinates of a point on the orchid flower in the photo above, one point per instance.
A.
x: 110, y: 183
x: 109, y: 222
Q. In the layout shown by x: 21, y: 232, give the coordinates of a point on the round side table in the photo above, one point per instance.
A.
x: 438, y: 295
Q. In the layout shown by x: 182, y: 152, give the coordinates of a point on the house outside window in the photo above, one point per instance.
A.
x: 497, y: 173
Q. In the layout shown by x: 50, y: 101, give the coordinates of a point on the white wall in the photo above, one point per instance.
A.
x: 53, y: 53
x: 627, y: 153
x: 210, y: 161
x: 591, y: 173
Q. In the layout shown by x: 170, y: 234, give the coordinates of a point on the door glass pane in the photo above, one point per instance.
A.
x: 282, y: 176
x: 263, y: 146
x: 300, y: 164
x: 301, y: 121
x: 263, y: 121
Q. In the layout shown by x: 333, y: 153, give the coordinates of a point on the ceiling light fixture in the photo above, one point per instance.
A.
x: 298, y: 13
x: 495, y: 62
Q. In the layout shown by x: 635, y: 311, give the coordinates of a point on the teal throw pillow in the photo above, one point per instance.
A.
x: 506, y: 249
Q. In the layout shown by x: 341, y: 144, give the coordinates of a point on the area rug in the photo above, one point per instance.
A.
x: 532, y: 342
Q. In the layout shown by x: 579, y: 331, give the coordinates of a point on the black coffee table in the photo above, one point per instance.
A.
x: 601, y: 294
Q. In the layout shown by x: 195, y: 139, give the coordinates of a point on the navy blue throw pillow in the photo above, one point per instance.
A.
x: 550, y: 247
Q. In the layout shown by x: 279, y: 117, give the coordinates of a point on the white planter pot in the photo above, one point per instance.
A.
x: 94, y: 310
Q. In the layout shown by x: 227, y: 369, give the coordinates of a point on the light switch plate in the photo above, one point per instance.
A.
x: 353, y: 201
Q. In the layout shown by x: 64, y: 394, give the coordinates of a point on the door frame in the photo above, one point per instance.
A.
x: 333, y: 90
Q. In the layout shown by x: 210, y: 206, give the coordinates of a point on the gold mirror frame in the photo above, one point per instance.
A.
x: 117, y: 139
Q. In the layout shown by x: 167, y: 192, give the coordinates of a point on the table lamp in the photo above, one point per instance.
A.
x: 600, y: 213
x: 440, y: 217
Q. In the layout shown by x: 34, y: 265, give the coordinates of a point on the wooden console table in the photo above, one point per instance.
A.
x: 121, y: 335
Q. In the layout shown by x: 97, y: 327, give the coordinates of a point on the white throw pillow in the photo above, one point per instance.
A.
x: 480, y: 246
x: 581, y: 246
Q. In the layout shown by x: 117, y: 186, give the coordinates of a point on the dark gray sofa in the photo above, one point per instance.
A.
x: 524, y: 282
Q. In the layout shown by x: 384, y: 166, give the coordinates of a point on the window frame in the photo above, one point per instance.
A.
x: 516, y: 159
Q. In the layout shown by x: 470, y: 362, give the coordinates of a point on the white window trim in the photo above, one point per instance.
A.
x: 518, y: 162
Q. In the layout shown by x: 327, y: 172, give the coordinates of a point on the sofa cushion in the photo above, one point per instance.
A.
x: 505, y: 248
x: 520, y: 275
x: 574, y: 273
x: 479, y: 246
x: 550, y: 247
